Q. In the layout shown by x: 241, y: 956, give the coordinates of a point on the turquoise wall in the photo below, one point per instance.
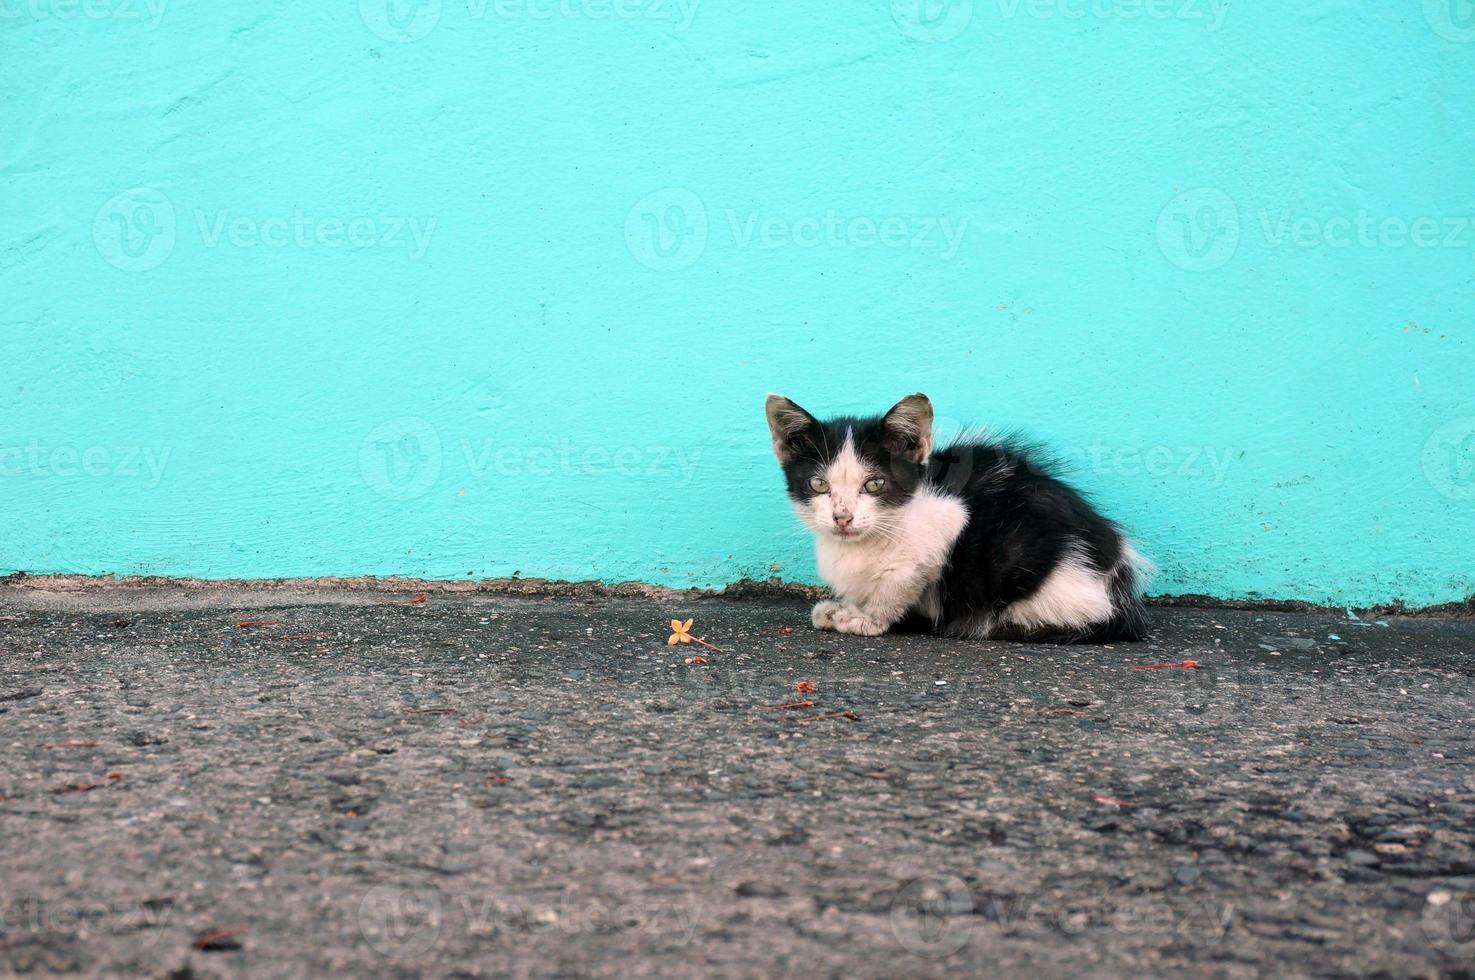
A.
x: 469, y: 288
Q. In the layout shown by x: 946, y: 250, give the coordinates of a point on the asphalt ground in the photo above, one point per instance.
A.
x: 232, y: 781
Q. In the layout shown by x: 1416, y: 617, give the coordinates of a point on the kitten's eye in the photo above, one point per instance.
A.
x: 819, y: 484
x: 875, y: 486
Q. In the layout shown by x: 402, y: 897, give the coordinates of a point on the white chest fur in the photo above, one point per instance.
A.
x: 912, y: 550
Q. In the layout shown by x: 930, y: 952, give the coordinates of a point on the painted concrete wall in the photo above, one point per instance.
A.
x: 471, y: 287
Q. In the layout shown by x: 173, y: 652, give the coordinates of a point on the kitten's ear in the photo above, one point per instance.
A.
x: 789, y: 424
x: 909, y: 427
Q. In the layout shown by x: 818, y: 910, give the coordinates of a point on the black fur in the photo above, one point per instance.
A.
x: 1023, y: 520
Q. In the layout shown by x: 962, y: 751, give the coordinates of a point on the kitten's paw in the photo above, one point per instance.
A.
x: 823, y: 616
x: 851, y: 620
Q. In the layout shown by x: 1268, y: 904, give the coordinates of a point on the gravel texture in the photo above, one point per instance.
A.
x: 365, y: 784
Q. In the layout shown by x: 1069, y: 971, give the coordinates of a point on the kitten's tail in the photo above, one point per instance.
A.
x: 1125, y: 583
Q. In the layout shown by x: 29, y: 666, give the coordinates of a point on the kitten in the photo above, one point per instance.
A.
x: 975, y: 540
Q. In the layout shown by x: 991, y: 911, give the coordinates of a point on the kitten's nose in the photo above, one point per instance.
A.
x: 842, y: 521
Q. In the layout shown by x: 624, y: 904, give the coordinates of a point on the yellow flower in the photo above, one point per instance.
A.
x: 681, y: 634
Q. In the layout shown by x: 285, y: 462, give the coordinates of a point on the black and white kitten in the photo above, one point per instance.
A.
x: 975, y: 540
